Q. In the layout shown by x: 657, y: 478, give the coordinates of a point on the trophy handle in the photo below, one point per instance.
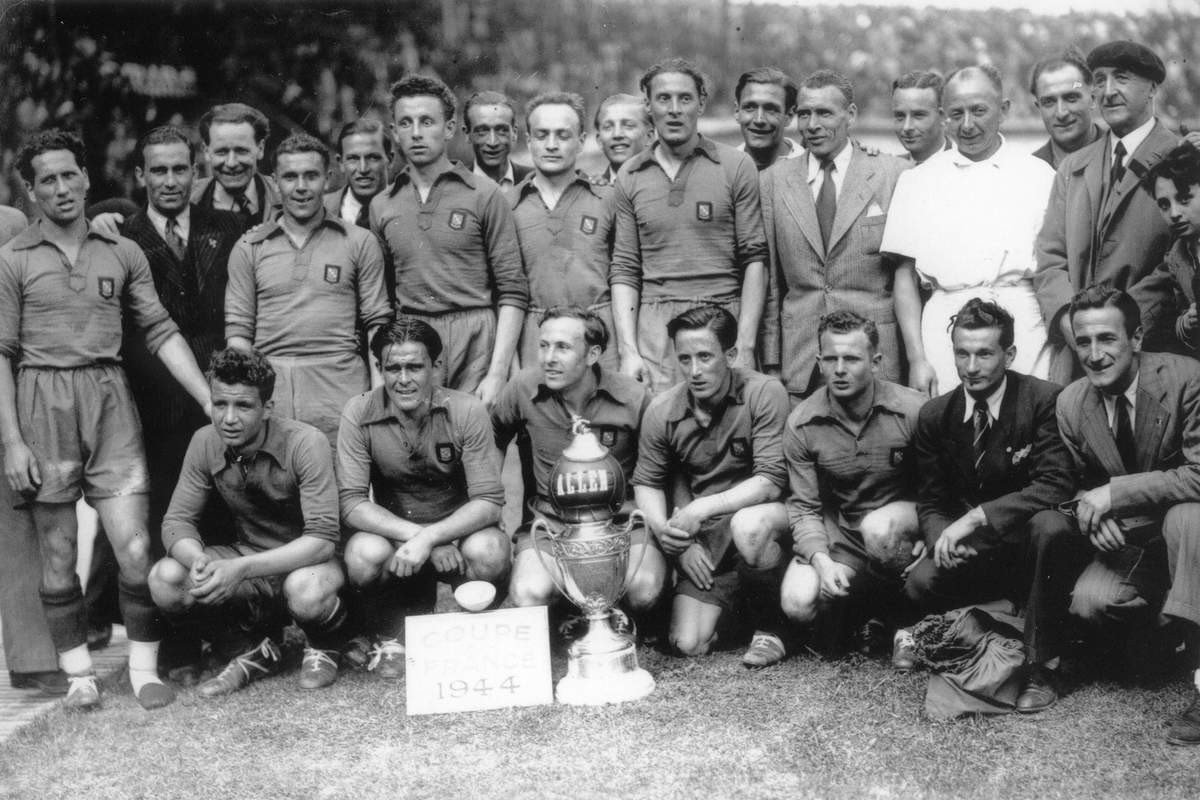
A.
x: 634, y: 516
x: 547, y: 534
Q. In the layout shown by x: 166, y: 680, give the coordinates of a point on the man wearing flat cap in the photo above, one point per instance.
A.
x: 1098, y: 227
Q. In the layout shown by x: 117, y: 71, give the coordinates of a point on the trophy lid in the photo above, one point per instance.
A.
x: 585, y: 446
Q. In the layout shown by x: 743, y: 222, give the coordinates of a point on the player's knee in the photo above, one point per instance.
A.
x: 487, y: 554
x: 799, y: 607
x: 365, y: 557
x: 133, y: 557
x: 644, y: 590
x: 58, y: 562
x: 527, y: 590
x: 690, y: 642
x: 310, y: 592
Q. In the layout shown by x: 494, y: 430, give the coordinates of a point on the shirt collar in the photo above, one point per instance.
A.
x: 606, y: 382
x: 841, y: 162
x: 683, y: 406
x: 821, y: 406
x: 1132, y: 140
x: 526, y: 185
x: 1110, y: 402
x: 274, y: 445
x: 507, y: 176
x: 455, y: 170
x: 35, y: 235
x: 159, y: 220
x: 994, y: 401
x: 795, y: 149
x: 274, y: 227
x: 350, y: 206
x: 380, y: 408
x: 704, y: 146
x: 996, y: 159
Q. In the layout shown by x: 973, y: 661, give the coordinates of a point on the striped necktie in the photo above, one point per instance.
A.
x: 982, y: 425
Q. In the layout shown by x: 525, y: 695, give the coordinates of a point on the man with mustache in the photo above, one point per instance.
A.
x: 764, y: 105
x: 1062, y: 94
x: 297, y: 287
x: 623, y: 129
x: 1098, y: 228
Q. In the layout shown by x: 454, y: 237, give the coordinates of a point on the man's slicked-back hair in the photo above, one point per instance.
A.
x: 680, y: 65
x: 828, y: 77
x: 769, y: 75
x: 232, y: 366
x: 164, y: 134
x: 235, y: 113
x: 715, y: 318
x: 848, y: 322
x: 44, y: 142
x: 986, y: 70
x: 490, y: 98
x: 1105, y: 295
x: 424, y: 86
x: 302, y: 143
x: 595, y: 332
x: 1071, y: 57
x: 569, y: 99
x: 618, y: 99
x: 978, y: 314
x: 921, y: 79
x: 1181, y: 166
x: 405, y: 329
x: 368, y: 126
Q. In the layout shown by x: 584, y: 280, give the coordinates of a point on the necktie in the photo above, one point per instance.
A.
x: 243, y: 207
x: 1126, y: 445
x: 1118, y: 167
x: 982, y: 425
x: 363, y: 220
x: 826, y: 202
x: 174, y: 240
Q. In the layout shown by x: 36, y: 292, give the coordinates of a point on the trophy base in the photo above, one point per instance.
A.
x: 574, y: 690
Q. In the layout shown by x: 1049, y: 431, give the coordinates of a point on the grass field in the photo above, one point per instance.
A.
x: 804, y: 729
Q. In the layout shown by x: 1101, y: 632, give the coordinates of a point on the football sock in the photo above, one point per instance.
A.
x: 143, y: 664
x: 76, y: 661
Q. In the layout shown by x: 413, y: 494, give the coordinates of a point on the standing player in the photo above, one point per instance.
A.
x: 623, y: 129
x: 539, y: 406
x: 564, y: 221
x: 68, y: 421
x: 764, y: 105
x: 720, y: 432
x: 452, y: 243
x: 429, y: 454
x: 689, y: 231
x: 298, y: 285
x: 490, y: 122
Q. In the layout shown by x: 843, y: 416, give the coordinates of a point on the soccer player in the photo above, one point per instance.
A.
x: 689, y: 231
x: 764, y: 105
x: 490, y: 122
x: 452, y: 244
x: 623, y: 129
x: 68, y: 421
x: 720, y: 433
x: 276, y: 477
x: 564, y: 220
x: 429, y: 455
x: 298, y: 285
x: 538, y: 407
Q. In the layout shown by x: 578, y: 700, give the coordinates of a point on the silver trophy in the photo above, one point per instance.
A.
x: 587, y: 487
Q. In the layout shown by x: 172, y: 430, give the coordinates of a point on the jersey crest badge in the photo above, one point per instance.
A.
x: 107, y: 288
x: 608, y: 436
x: 588, y: 225
x: 445, y: 452
x: 896, y: 458
x: 740, y: 447
x: 704, y: 211
x: 333, y: 273
x: 458, y: 219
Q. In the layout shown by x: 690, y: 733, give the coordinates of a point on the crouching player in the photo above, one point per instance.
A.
x: 720, y: 431
x: 538, y: 407
x: 429, y: 454
x: 276, y: 477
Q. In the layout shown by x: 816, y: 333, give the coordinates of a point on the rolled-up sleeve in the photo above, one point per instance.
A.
x: 312, y: 464
x: 241, y: 295
x: 626, y: 265
x: 480, y: 457
x: 805, y: 511
x: 353, y: 458
x: 750, y: 240
x: 768, y: 415
x: 504, y: 252
x: 147, y: 311
x: 191, y: 493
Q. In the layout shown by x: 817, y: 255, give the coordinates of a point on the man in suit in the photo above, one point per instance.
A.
x: 1098, y: 227
x: 824, y: 214
x: 490, y: 122
x: 1132, y: 426
x: 991, y: 467
x: 364, y: 154
x: 1062, y: 94
x: 235, y: 139
x: 188, y: 248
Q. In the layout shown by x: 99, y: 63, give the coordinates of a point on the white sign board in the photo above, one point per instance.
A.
x: 471, y: 662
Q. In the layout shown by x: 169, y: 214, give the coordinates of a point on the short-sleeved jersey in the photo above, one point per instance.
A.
x: 61, y: 315
x: 425, y: 479
x: 833, y: 470
x: 455, y: 251
x: 305, y: 301
x: 538, y: 417
x: 689, y: 237
x: 742, y: 440
x: 285, y: 490
x: 566, y: 249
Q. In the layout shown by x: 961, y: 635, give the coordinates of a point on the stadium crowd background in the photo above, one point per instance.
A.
x: 113, y: 70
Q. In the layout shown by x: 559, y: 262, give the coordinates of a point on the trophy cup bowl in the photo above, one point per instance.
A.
x: 592, y: 558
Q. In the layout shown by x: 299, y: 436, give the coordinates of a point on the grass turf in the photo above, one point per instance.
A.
x: 806, y: 728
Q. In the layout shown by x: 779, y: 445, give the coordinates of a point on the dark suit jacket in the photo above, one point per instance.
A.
x: 193, y: 292
x: 1166, y: 427
x: 1087, y: 237
x: 1026, y: 468
x: 271, y: 204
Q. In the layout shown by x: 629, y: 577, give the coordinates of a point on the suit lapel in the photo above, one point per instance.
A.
x: 963, y: 432
x: 1151, y: 415
x: 853, y: 198
x: 1003, y: 435
x: 163, y: 262
x: 203, y: 242
x: 800, y: 205
x: 1149, y: 152
x: 1098, y: 434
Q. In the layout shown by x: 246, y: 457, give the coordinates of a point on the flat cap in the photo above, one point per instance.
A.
x: 1137, y: 58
